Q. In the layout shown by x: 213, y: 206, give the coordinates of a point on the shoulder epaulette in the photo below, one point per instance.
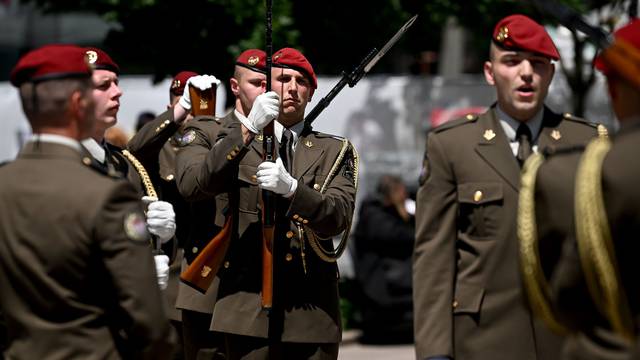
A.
x: 550, y: 151
x: 602, y: 130
x: 469, y: 118
x: 207, y: 118
x: 324, y: 135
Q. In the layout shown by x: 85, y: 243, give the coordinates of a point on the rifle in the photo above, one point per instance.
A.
x: 201, y: 272
x: 358, y: 72
x: 268, y: 197
x: 618, y: 54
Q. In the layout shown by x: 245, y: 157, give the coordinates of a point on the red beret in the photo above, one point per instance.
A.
x: 253, y: 59
x: 518, y: 32
x: 179, y: 82
x: 99, y: 59
x: 50, y: 62
x: 629, y: 35
x: 292, y: 58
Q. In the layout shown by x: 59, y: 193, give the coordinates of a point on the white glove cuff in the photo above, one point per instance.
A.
x: 292, y: 188
x: 248, y: 124
x: 185, y: 101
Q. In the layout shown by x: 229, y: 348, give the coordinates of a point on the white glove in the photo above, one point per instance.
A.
x: 162, y: 269
x: 273, y: 176
x: 161, y: 219
x: 202, y: 82
x: 265, y: 108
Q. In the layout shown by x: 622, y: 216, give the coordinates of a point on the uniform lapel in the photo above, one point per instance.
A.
x: 494, y: 148
x: 549, y: 133
x: 306, y: 154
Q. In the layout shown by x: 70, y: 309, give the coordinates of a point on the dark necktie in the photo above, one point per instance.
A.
x: 523, y: 135
x: 285, y: 149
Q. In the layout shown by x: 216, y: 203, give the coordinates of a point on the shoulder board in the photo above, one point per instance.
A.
x: 207, y: 118
x: 92, y: 163
x: 550, y: 151
x: 571, y: 117
x: 469, y: 118
x: 602, y: 130
x: 323, y: 135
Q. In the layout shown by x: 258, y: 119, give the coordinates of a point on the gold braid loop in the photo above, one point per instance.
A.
x: 536, y: 285
x: 595, y: 245
x: 314, y: 240
x: 146, y: 180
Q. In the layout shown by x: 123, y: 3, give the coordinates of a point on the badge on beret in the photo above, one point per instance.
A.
x: 187, y: 138
x: 176, y: 84
x: 253, y: 60
x: 92, y: 56
x: 503, y: 34
x: 135, y: 227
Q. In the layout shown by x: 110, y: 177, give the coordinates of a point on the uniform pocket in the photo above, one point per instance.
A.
x: 468, y: 299
x: 248, y: 193
x: 480, y: 207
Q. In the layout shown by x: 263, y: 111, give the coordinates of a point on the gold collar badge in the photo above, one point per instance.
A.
x: 308, y: 143
x: 489, y: 134
x: 555, y: 134
x: 503, y: 34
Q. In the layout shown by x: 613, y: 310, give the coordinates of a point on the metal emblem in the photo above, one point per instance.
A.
x: 489, y: 134
x: 204, y: 104
x: 205, y: 271
x: 91, y: 56
x: 253, y: 60
x: 176, y: 84
x: 503, y: 34
x: 308, y: 143
x: 555, y: 134
x: 259, y: 137
x: 135, y: 227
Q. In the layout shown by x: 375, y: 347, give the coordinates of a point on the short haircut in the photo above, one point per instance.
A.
x: 45, y: 103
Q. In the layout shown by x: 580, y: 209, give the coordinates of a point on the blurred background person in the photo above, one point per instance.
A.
x: 383, y: 241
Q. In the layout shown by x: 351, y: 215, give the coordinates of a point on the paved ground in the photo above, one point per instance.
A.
x: 350, y: 349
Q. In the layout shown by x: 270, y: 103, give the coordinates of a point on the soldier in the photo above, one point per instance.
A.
x: 315, y: 193
x: 76, y: 274
x: 468, y: 301
x: 106, y: 93
x: 207, y: 218
x: 580, y: 214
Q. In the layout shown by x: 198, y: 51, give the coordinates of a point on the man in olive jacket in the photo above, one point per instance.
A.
x: 468, y: 300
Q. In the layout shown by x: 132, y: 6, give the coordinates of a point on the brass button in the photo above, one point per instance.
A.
x: 229, y: 157
x: 296, y: 217
x: 86, y: 160
x: 305, y: 221
x: 157, y: 129
x: 169, y: 177
x: 236, y: 148
x: 254, y: 178
x: 477, y: 196
x: 226, y: 264
x: 288, y: 257
x: 469, y: 116
x: 194, y: 250
x: 316, y: 187
x: 289, y: 234
x: 167, y: 122
x: 233, y: 152
x: 455, y: 304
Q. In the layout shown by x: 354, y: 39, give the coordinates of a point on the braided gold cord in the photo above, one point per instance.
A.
x: 314, y: 242
x: 595, y: 245
x: 536, y: 285
x: 146, y: 180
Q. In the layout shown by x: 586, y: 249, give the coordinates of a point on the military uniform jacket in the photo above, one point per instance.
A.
x: 205, y: 214
x: 305, y: 305
x: 75, y: 266
x: 561, y: 262
x: 468, y: 300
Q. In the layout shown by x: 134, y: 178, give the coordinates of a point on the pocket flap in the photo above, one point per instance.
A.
x: 468, y: 299
x: 247, y: 174
x: 480, y: 192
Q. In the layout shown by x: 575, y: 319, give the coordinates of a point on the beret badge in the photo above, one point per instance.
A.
x: 503, y: 34
x: 253, y: 60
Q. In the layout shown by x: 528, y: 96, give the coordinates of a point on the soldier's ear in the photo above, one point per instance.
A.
x: 488, y: 73
x: 311, y: 94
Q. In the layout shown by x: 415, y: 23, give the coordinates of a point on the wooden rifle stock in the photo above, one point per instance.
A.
x: 268, y: 224
x: 203, y: 269
x: 203, y: 102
